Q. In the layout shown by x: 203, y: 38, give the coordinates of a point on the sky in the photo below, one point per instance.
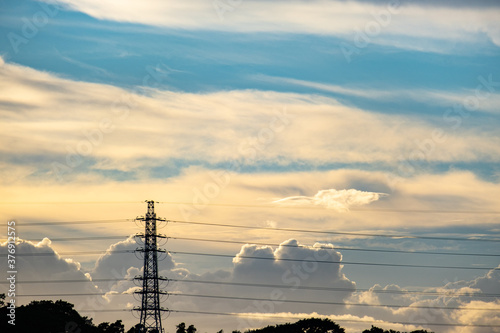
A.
x: 356, y: 119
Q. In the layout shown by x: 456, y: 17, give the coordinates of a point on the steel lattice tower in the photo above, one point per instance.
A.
x: 150, y: 309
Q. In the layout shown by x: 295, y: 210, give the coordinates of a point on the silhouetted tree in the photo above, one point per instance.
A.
x: 181, y: 328
x: 375, y: 329
x: 47, y: 316
x: 116, y: 327
x: 312, y: 325
x: 139, y: 328
x: 191, y: 329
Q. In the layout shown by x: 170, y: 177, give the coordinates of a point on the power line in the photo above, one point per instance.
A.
x: 265, y: 300
x: 65, y: 239
x: 269, y: 206
x: 346, y: 233
x: 75, y: 253
x: 255, y: 257
x: 331, y: 303
x: 339, y: 232
x: 75, y: 222
x: 379, y: 210
x: 339, y: 248
x: 376, y: 291
x: 277, y: 245
x: 333, y: 261
x: 263, y: 258
x: 296, y: 317
x: 342, y: 233
x: 67, y: 202
x: 339, y: 320
x: 289, y: 317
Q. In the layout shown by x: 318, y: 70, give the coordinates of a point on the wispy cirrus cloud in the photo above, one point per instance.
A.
x: 338, y: 18
x: 47, y: 115
x: 487, y: 90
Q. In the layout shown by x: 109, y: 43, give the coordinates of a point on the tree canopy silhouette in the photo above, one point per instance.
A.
x: 54, y: 317
x: 60, y: 316
x: 312, y: 325
x: 376, y: 329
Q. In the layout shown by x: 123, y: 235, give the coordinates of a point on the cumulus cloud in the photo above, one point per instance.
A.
x: 340, y: 200
x: 467, y: 315
x: 415, y: 307
x: 40, y: 262
x: 288, y: 267
x: 487, y: 284
x: 279, y: 265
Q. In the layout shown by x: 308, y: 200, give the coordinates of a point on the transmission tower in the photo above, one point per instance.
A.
x: 151, y: 310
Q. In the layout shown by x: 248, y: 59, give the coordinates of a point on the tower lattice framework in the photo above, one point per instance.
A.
x: 150, y: 310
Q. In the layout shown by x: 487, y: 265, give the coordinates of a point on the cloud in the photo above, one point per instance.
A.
x: 291, y: 275
x: 286, y: 275
x: 49, y: 266
x: 40, y: 262
x: 279, y: 270
x: 466, y: 310
x: 115, y: 263
x: 287, y: 268
x: 487, y: 284
x: 468, y: 316
x: 112, y: 131
x: 193, y: 192
x: 340, y: 200
x: 451, y: 3
x: 339, y: 18
x: 482, y: 100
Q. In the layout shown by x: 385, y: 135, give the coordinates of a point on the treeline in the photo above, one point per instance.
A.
x: 315, y: 325
x: 61, y: 317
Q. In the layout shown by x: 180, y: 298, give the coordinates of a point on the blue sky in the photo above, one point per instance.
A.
x: 340, y: 106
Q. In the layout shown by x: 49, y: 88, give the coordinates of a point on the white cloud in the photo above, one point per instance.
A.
x: 468, y: 316
x: 280, y: 267
x: 340, y: 200
x: 488, y: 284
x: 484, y: 99
x: 340, y: 18
x: 286, y: 275
x: 466, y: 310
x: 108, y: 128
x: 290, y: 275
x: 40, y: 262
